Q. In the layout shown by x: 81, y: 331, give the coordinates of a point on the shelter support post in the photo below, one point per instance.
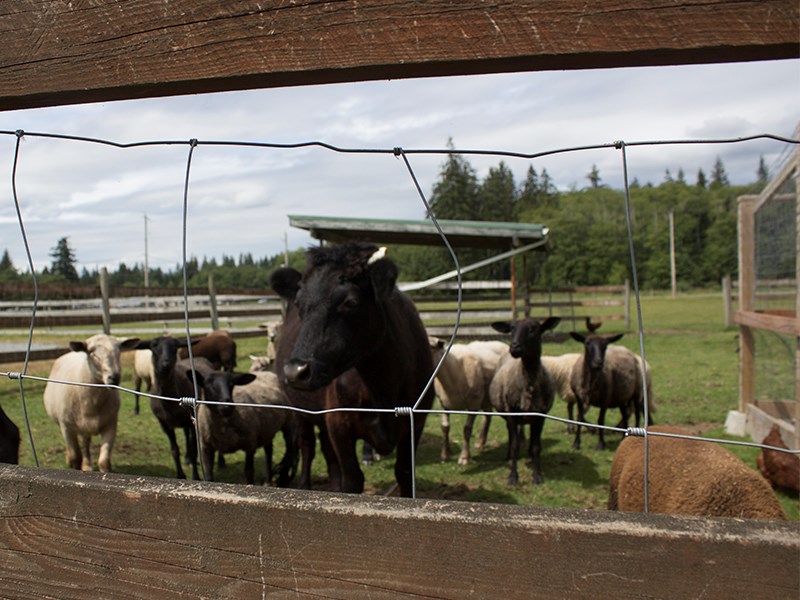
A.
x: 747, y: 375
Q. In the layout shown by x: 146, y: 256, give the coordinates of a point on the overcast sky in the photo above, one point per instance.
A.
x: 239, y: 198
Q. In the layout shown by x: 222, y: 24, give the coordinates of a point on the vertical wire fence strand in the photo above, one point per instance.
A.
x: 20, y: 135
x: 194, y: 408
x: 430, y: 214
x: 640, y: 320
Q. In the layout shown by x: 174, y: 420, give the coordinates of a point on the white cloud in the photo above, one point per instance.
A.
x: 239, y: 196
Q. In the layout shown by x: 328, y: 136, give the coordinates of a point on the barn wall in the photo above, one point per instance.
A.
x: 58, y: 52
x: 66, y: 533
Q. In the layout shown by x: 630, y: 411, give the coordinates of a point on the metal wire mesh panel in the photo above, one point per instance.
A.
x: 776, y: 289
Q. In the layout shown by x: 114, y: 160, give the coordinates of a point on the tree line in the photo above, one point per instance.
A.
x: 588, y: 242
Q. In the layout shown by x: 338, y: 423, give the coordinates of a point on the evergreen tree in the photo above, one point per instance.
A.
x: 498, y: 195
x: 762, y: 173
x: 536, y: 198
x: 594, y: 177
x: 719, y: 178
x: 7, y: 270
x: 64, y: 261
x: 701, y: 179
x: 455, y: 194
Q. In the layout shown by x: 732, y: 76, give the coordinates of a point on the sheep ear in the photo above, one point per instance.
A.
x: 550, y: 323
x: 243, y: 378
x: 577, y: 337
x: 592, y: 327
x: 285, y: 282
x: 78, y: 347
x: 144, y: 345
x: 502, y: 326
x: 435, y: 342
x: 197, y: 373
x: 129, y: 344
x: 615, y: 338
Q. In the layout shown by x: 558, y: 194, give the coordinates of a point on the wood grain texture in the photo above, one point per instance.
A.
x: 67, y: 534
x: 59, y: 52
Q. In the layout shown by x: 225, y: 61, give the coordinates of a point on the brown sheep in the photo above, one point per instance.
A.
x: 781, y: 469
x: 688, y: 477
x: 218, y: 347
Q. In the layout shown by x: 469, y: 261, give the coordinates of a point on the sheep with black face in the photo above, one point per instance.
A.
x: 522, y: 385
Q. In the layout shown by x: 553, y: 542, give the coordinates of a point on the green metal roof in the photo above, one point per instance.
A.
x: 465, y: 234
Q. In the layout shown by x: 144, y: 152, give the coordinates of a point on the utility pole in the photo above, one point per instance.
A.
x: 146, y: 268
x: 673, y: 276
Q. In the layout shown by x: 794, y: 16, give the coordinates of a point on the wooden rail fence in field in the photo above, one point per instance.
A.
x: 483, y: 303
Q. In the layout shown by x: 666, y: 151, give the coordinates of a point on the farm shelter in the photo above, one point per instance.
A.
x: 66, y: 534
x: 512, y: 238
x: 769, y: 248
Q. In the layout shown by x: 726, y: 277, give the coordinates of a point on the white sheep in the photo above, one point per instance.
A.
x: 142, y: 373
x: 462, y: 383
x: 260, y: 363
x: 522, y: 385
x: 560, y: 369
x: 264, y: 363
x: 81, y: 411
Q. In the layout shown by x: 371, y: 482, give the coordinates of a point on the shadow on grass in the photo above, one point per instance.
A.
x: 462, y: 492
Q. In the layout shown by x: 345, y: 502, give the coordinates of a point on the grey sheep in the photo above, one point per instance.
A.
x: 231, y: 426
x: 606, y: 380
x: 521, y: 384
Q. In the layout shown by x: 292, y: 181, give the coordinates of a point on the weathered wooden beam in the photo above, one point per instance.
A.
x: 58, y: 52
x: 122, y: 536
x: 784, y: 325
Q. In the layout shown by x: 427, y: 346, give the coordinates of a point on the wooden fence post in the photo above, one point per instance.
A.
x: 212, y: 303
x: 105, y: 301
x: 627, y: 304
x: 727, y: 300
x: 747, y: 285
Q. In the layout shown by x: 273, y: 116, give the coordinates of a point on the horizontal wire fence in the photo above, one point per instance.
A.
x: 397, y: 152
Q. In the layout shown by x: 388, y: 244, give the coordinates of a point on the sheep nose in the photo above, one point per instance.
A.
x: 114, y: 379
x: 297, y: 372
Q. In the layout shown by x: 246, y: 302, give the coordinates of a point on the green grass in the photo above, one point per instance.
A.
x: 695, y: 373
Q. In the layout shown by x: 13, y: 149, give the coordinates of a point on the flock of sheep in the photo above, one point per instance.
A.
x: 511, y: 379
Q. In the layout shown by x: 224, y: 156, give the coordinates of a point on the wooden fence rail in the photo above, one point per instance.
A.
x: 110, y: 536
x: 484, y: 302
